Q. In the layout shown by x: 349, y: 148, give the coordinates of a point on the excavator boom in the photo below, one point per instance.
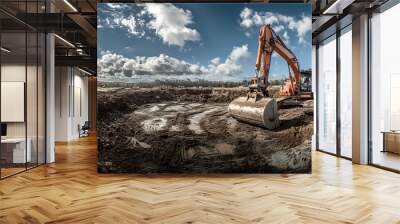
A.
x: 269, y: 42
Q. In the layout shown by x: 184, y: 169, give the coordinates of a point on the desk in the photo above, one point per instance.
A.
x: 391, y: 141
x: 15, y: 148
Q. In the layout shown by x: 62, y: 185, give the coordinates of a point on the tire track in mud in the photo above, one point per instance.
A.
x: 195, y: 120
x: 159, y: 117
x: 212, y: 121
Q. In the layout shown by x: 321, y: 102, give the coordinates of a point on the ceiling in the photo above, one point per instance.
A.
x: 73, y: 21
x: 330, y: 15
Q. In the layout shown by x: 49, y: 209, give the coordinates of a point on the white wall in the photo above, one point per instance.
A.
x: 70, y: 83
x: 62, y: 82
x: 81, y: 84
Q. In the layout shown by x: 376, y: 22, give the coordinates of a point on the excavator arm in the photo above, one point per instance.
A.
x: 269, y: 42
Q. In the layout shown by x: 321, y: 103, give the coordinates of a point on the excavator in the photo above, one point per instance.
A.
x: 258, y: 107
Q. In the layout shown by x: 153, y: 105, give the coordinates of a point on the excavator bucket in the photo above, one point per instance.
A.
x: 261, y: 112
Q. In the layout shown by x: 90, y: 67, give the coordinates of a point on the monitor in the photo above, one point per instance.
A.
x: 3, y: 129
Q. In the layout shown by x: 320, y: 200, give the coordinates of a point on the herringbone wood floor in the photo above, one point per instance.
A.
x: 71, y: 191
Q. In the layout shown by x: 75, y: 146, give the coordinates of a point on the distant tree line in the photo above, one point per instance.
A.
x: 182, y: 83
x: 175, y: 83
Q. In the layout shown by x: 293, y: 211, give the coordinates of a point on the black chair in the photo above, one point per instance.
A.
x: 84, y: 130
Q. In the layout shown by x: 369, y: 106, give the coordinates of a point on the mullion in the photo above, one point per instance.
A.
x: 317, y: 97
x: 338, y: 98
x: 26, y: 86
x: 37, y: 90
x: 0, y: 93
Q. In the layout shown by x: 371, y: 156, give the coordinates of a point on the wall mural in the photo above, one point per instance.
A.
x: 204, y: 88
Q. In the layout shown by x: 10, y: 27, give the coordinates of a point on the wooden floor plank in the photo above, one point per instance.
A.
x: 71, y: 191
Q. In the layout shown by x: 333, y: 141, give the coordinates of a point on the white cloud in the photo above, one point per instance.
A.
x: 116, y: 5
x: 166, y: 21
x: 239, y: 53
x: 301, y: 26
x: 286, y: 38
x: 118, y: 20
x: 171, y: 23
x: 130, y: 24
x: 102, y: 52
x: 279, y: 28
x: 251, y: 18
x: 280, y: 23
x: 112, y: 65
x: 215, y: 61
x: 116, y: 65
x: 245, y: 15
x: 231, y: 65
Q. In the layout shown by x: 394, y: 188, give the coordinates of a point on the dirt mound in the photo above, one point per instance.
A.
x: 189, y: 130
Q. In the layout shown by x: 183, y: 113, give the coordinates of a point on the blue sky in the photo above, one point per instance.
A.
x: 144, y: 42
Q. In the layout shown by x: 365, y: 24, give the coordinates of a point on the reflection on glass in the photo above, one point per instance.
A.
x: 327, y: 96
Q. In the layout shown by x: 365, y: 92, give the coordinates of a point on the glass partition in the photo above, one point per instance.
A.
x: 22, y: 77
x: 326, y: 126
x: 13, y: 94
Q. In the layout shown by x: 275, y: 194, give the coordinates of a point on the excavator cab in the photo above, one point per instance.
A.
x: 289, y: 87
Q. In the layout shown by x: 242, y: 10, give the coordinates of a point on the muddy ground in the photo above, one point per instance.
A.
x: 188, y: 130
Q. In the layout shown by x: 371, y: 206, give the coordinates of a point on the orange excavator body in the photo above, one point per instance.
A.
x: 258, y: 107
